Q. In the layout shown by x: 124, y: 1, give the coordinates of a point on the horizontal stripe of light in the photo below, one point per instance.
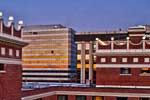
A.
x: 10, y: 61
x: 48, y: 40
x: 46, y: 69
x: 42, y: 49
x: 42, y: 59
x: 47, y: 30
x: 45, y: 65
x: 54, y: 56
x: 122, y: 65
x: 51, y: 34
x: 44, y: 78
x: 119, y: 86
x: 45, y: 51
x: 86, y: 65
x: 43, y: 54
x: 45, y: 73
x: 50, y: 44
x: 46, y: 37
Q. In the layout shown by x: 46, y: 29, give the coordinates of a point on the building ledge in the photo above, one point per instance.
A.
x: 125, y: 74
x: 2, y: 72
x: 148, y: 74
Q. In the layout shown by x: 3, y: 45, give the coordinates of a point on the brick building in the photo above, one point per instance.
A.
x: 122, y: 70
x: 10, y: 60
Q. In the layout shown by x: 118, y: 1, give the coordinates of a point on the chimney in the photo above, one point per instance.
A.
x: 11, y: 19
x: 20, y: 24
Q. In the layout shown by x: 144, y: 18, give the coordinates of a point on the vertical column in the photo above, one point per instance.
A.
x: 20, y: 24
x: 1, y: 22
x: 82, y: 77
x: 143, y: 43
x: 91, y: 62
x: 128, y: 42
x: 11, y: 24
x: 112, y: 43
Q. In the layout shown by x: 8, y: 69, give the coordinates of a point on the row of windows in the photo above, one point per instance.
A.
x: 128, y: 71
x: 124, y: 60
x: 10, y: 52
x: 65, y: 97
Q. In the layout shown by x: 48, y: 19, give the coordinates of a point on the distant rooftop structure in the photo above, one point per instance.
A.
x: 139, y: 28
x: 101, y: 32
x: 36, y: 85
x: 42, y: 27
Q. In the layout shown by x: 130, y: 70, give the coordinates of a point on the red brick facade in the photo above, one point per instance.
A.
x: 10, y: 62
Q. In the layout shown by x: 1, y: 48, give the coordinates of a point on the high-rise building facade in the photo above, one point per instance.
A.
x: 50, y: 55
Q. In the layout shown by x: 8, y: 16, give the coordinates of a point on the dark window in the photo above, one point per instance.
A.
x: 125, y: 70
x: 122, y: 98
x: 80, y: 97
x: 35, y: 33
x: 39, y: 99
x: 144, y: 98
x: 52, y: 51
x: 62, y: 97
x: 1, y: 66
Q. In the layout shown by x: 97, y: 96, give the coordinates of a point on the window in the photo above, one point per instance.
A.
x: 17, y: 53
x: 39, y: 99
x: 144, y: 98
x: 125, y: 70
x: 113, y: 59
x: 3, y: 50
x: 122, y: 98
x: 1, y: 67
x: 97, y: 98
x: 135, y: 59
x: 10, y: 52
x: 103, y: 60
x: 145, y: 71
x: 80, y: 97
x: 146, y: 60
x: 62, y: 97
x: 124, y: 59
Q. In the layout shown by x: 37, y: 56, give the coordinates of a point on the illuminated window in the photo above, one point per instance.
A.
x: 113, y: 59
x: 135, y: 59
x: 97, y: 98
x: 103, y: 60
x: 3, y: 51
x: 146, y: 59
x: 124, y: 59
x: 145, y: 71
x: 125, y: 70
x: 79, y: 46
x: 17, y: 53
x: 10, y: 52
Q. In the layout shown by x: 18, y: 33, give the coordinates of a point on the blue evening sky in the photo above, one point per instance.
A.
x: 81, y: 15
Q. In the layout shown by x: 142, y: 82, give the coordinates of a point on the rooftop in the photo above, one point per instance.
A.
x: 42, y: 27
